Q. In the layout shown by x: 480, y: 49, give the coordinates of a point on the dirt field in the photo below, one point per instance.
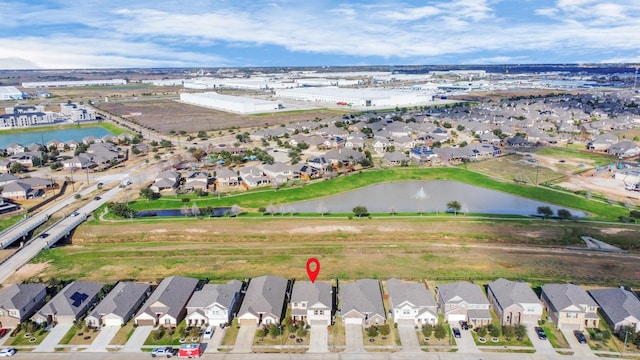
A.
x: 408, y: 248
x: 162, y: 114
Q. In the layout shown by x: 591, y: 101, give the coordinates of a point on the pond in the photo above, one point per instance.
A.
x: 26, y: 138
x: 426, y: 196
x: 217, y: 212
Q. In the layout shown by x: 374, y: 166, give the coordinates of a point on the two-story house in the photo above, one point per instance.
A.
x: 215, y: 304
x: 18, y: 302
x: 463, y: 301
x: 312, y: 302
x: 514, y: 302
x: 569, y: 306
x: 411, y: 303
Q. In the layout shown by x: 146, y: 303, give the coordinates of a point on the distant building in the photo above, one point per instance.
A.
x: 77, y: 112
x: 237, y: 104
x: 78, y: 83
x: 10, y: 93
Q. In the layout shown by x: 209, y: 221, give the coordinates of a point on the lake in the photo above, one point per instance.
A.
x: 426, y: 196
x: 26, y: 138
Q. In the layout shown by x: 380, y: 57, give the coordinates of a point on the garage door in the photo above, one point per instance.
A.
x: 247, y: 322
x: 145, y: 322
x: 455, y: 318
x: 355, y: 321
x: 112, y: 322
x: 406, y: 322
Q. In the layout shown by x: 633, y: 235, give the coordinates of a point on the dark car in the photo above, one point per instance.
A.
x: 97, y: 198
x: 580, y: 336
x: 44, y: 235
x: 541, y: 334
x: 3, y: 332
x: 456, y: 332
x: 464, y: 325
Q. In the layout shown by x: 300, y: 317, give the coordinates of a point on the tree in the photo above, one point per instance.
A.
x: 195, y: 210
x: 372, y: 331
x: 545, y: 211
x: 148, y: 194
x: 384, y: 330
x: 455, y: 206
x: 360, y: 211
x: 508, y: 331
x: 440, y: 332
x: 521, y: 331
x: 482, y: 331
x: 16, y: 168
x: 494, y: 330
x: 273, y: 330
x: 564, y: 214
x: 235, y: 210
x: 427, y: 330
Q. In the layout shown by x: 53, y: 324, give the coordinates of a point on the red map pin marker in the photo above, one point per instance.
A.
x: 313, y: 274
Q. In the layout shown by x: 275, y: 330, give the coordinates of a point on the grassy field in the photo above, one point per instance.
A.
x: 376, y: 248
x: 262, y: 198
x: 589, y: 158
x: 515, y: 168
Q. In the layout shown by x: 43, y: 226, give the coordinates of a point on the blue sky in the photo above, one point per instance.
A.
x: 198, y: 33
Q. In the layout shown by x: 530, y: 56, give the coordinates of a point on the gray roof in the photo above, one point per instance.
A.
x: 18, y: 296
x: 222, y: 294
x: 563, y: 296
x: 120, y: 299
x: 63, y: 304
x: 617, y: 303
x: 415, y: 293
x: 172, y: 293
x: 363, y: 296
x: 471, y: 293
x: 312, y: 293
x: 508, y: 293
x: 266, y: 294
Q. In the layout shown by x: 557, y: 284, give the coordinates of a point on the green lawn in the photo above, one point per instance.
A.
x: 172, y: 336
x: 563, y: 153
x: 231, y: 333
x: 263, y: 198
x: 5, y: 223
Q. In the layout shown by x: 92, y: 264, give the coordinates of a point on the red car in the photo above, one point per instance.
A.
x: 3, y: 332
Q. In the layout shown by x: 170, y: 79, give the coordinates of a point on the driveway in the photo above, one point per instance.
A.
x: 354, y: 339
x: 465, y: 342
x: 53, y: 338
x: 215, y: 341
x: 137, y: 339
x: 580, y: 351
x: 319, y: 339
x: 541, y: 346
x: 409, y: 338
x: 103, y: 339
x: 244, y: 341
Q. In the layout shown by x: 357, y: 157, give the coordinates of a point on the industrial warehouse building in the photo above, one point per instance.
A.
x: 73, y: 83
x: 10, y: 93
x: 360, y: 98
x: 229, y: 103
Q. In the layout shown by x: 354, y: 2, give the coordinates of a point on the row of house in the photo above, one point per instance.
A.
x: 264, y: 300
x: 15, y: 188
x: 16, y: 148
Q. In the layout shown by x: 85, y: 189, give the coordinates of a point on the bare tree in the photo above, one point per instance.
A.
x: 393, y: 210
x: 322, y: 209
x: 271, y: 209
x: 195, y: 210
x: 235, y: 210
x: 185, y: 210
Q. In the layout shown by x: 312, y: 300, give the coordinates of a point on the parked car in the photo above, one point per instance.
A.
x: 456, y: 332
x: 464, y: 325
x: 7, y: 352
x: 541, y: 333
x: 580, y: 336
x: 208, y: 333
x: 166, y: 351
x: 3, y: 332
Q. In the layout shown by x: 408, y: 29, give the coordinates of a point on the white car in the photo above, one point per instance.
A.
x: 7, y: 352
x: 208, y: 333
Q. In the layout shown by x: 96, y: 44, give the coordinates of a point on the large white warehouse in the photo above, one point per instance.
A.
x: 229, y: 103
x: 10, y: 93
x: 74, y: 83
x: 361, y: 98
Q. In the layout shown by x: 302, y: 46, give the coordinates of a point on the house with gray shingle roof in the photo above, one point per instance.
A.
x: 463, y: 301
x: 361, y: 303
x: 166, y: 305
x: 70, y: 304
x: 18, y: 302
x: 312, y: 302
x: 166, y: 180
x: 514, y: 302
x: 619, y: 307
x: 411, y: 303
x: 569, y: 306
x: 264, y: 302
x: 215, y: 304
x: 120, y: 304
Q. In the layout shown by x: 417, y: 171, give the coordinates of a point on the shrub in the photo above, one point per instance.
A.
x: 158, y: 334
x: 482, y: 331
x: 372, y: 331
x: 440, y: 332
x: 384, y: 330
x: 427, y: 330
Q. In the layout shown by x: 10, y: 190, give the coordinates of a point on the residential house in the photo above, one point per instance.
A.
x: 395, y: 158
x: 18, y: 302
x: 312, y: 302
x: 82, y: 161
x: 120, y: 304
x: 422, y: 154
x: 196, y: 180
x: 70, y: 304
x: 264, y: 302
x: 253, y: 177
x: 569, y: 306
x: 14, y: 148
x: 619, y: 307
x: 602, y: 142
x: 280, y: 172
x: 514, y: 302
x: 166, y: 180
x: 361, y: 303
x: 27, y: 159
x: 624, y: 149
x: 215, y: 304
x: 19, y: 190
x: 411, y: 303
x: 5, y: 165
x: 166, y: 305
x: 463, y: 301
x: 346, y: 156
x: 7, y: 178
x: 226, y: 177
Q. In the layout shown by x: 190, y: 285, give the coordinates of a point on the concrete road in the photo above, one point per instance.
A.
x: 103, y: 339
x: 354, y: 339
x: 244, y: 341
x: 137, y: 339
x: 52, y: 339
x: 319, y: 339
x: 409, y: 338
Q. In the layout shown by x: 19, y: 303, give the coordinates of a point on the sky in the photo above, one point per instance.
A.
x: 67, y: 34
